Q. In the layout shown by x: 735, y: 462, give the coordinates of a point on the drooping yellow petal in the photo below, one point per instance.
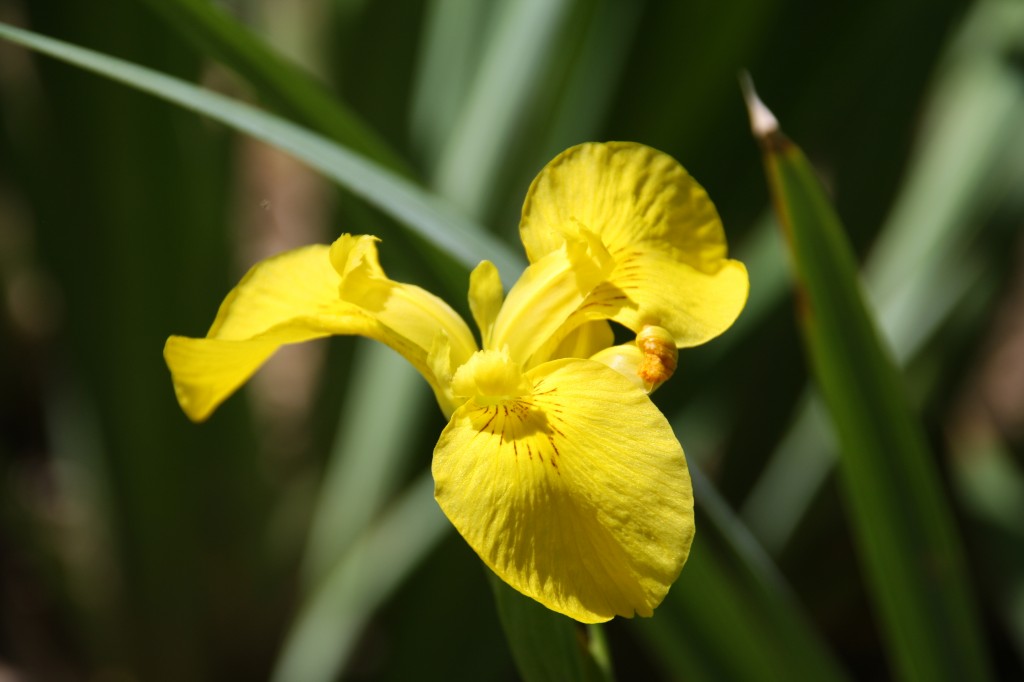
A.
x: 207, y: 371
x: 310, y: 293
x: 576, y: 494
x: 660, y: 228
x: 407, y: 310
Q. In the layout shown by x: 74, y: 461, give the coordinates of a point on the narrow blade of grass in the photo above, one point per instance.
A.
x: 329, y: 626
x: 906, y: 539
x: 280, y: 84
x: 991, y: 483
x: 409, y: 204
x: 453, y: 36
x: 368, y: 455
x: 524, y: 34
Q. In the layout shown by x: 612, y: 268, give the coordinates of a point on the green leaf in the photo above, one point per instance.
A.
x: 524, y: 35
x: 931, y: 251
x: 396, y: 196
x: 279, y: 83
x: 731, y: 616
x: 907, y: 543
x: 332, y: 619
x: 369, y: 454
x: 454, y: 34
x: 546, y: 646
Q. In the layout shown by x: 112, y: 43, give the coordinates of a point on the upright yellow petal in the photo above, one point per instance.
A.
x: 547, y: 294
x: 575, y: 493
x: 486, y: 294
x: 660, y: 228
x: 309, y: 293
x: 584, y: 341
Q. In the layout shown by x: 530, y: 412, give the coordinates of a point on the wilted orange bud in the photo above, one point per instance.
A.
x: 659, y: 356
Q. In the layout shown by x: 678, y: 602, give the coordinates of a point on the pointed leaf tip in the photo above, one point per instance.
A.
x: 762, y: 121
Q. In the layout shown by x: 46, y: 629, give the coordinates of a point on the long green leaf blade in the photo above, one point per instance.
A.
x: 329, y: 625
x: 546, y: 646
x: 400, y: 198
x: 525, y: 34
x: 280, y: 84
x: 731, y: 598
x: 910, y: 551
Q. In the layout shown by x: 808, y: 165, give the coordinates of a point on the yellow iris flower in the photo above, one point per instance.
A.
x: 555, y: 466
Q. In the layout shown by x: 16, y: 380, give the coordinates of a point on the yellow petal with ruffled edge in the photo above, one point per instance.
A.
x: 576, y: 492
x: 660, y: 228
x: 408, y: 312
x: 310, y: 293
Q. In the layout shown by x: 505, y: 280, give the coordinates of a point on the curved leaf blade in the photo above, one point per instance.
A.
x: 279, y: 83
x: 400, y: 198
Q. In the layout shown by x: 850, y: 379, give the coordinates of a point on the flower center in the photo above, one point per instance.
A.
x: 490, y: 377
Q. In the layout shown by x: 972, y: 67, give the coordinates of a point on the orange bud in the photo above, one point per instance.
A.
x: 659, y: 356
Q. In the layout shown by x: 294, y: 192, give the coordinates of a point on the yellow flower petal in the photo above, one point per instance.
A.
x: 407, y: 310
x: 648, y: 362
x: 649, y: 288
x: 486, y: 294
x: 309, y: 293
x: 547, y: 294
x: 660, y: 228
x: 207, y: 371
x: 584, y: 341
x: 625, y: 359
x: 576, y: 495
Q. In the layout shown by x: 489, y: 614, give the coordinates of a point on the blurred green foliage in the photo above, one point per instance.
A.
x: 296, y: 528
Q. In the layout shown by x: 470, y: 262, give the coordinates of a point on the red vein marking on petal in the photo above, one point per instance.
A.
x: 554, y: 448
x: 515, y: 444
